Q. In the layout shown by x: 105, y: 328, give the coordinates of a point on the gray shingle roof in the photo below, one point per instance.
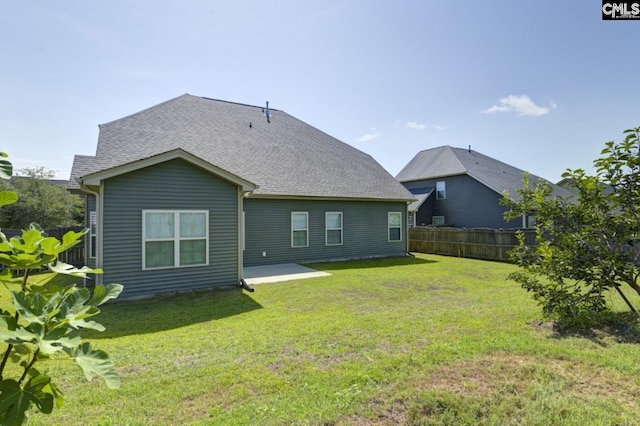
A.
x: 448, y: 161
x: 285, y: 157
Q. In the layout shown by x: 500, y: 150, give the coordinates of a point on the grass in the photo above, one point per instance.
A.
x: 425, y: 341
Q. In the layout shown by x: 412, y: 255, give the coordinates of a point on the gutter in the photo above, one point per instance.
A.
x: 85, y: 188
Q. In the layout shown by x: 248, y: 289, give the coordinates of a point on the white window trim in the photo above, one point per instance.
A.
x: 176, y: 239
x: 444, y: 186
x: 306, y: 229
x: 389, y: 227
x: 93, y: 220
x: 327, y: 229
x: 433, y: 220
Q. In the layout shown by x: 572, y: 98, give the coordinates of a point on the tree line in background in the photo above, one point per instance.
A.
x: 40, y: 200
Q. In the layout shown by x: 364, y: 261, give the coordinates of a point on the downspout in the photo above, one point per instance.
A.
x: 98, y: 253
x: 241, y: 240
x: 406, y: 215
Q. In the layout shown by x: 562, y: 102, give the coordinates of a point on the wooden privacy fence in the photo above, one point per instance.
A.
x: 488, y: 244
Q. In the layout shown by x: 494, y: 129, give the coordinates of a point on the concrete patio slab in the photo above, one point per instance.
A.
x: 279, y: 273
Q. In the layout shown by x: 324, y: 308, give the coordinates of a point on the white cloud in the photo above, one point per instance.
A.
x: 521, y: 105
x: 421, y: 126
x: 368, y: 137
x: 417, y: 126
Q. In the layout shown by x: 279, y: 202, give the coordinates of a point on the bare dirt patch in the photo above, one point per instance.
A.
x: 515, y: 374
x: 504, y: 371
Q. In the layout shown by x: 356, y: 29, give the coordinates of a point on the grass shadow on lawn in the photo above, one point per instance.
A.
x: 166, y: 312
x: 386, y: 262
x: 614, y: 327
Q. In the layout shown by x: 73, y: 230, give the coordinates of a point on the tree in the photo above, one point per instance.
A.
x: 41, y: 201
x: 587, y: 245
x: 44, y: 321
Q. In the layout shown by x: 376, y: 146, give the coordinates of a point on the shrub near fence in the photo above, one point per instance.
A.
x: 74, y: 256
x: 487, y: 244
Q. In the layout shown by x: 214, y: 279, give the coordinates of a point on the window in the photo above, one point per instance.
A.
x: 333, y: 228
x: 299, y: 229
x: 531, y: 221
x: 175, y: 239
x: 441, y: 190
x: 437, y: 220
x: 394, y: 221
x: 93, y: 223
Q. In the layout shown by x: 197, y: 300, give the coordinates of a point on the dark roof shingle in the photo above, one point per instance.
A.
x: 446, y: 161
x: 285, y: 157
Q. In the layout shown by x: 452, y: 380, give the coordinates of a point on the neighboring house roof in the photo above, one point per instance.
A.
x: 421, y: 195
x: 447, y: 161
x: 283, y: 156
x: 570, y: 184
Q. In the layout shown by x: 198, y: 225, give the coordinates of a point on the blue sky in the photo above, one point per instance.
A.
x: 541, y: 85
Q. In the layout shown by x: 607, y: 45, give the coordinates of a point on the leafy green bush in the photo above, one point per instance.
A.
x: 45, y: 321
x: 588, y: 245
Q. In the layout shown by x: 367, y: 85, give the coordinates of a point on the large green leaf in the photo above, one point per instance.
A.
x: 6, y: 168
x: 95, y: 362
x: 6, y: 276
x: 13, y: 404
x: 25, y: 260
x: 5, y: 247
x: 7, y: 197
x: 8, y: 321
x: 51, y: 246
x: 16, y: 401
x: 32, y: 308
x: 66, y: 269
x: 102, y: 294
x: 28, y: 242
x: 71, y: 238
x: 18, y: 336
x: 56, y: 341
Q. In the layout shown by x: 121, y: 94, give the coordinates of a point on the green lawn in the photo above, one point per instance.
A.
x: 430, y: 340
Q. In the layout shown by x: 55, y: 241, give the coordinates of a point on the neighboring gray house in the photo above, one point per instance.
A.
x: 462, y: 188
x: 186, y: 193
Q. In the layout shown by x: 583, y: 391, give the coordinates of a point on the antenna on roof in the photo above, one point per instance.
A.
x: 266, y: 112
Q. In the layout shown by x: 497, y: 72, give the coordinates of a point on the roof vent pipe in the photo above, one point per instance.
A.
x: 266, y: 112
x: 469, y: 148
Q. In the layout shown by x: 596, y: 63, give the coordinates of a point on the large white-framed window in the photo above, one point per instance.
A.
x: 175, y: 238
x: 394, y: 223
x: 93, y: 227
x: 437, y: 220
x: 333, y: 228
x: 299, y: 229
x: 441, y: 190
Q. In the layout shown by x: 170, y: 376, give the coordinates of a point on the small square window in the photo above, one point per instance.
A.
x: 437, y: 220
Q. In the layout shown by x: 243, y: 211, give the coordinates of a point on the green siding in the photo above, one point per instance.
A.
x: 268, y: 229
x: 174, y: 185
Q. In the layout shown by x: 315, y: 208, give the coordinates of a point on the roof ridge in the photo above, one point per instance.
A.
x: 146, y: 109
x: 237, y: 103
x: 451, y: 149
